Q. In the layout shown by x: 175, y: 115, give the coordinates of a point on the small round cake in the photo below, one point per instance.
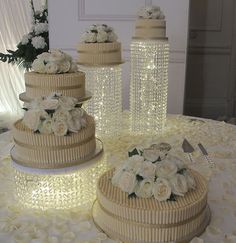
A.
x: 68, y: 84
x: 99, y: 53
x: 138, y: 220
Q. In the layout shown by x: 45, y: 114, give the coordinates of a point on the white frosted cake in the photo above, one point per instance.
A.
x: 151, y: 24
x: 54, y: 133
x: 99, y: 46
x: 53, y: 71
x: 152, y: 198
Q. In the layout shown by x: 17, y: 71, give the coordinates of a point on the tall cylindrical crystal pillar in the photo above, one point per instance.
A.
x: 101, y: 63
x: 149, y: 76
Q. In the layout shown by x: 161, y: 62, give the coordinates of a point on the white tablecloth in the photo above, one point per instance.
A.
x: 24, y: 225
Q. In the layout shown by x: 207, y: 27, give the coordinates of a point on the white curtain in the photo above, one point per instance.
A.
x: 15, y: 21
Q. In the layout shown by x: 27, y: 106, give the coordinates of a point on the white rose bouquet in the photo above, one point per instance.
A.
x: 151, y: 12
x: 99, y: 34
x: 54, y: 61
x: 55, y: 114
x: 33, y: 43
x: 151, y: 172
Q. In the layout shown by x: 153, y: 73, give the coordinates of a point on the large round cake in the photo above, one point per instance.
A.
x: 68, y: 84
x: 39, y: 150
x: 137, y: 220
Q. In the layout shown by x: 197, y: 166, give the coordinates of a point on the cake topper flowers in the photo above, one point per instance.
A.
x: 99, y: 33
x: 151, y: 12
x: 152, y: 172
x: 55, y: 114
x: 54, y: 61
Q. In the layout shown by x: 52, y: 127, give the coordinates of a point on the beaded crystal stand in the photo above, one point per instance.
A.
x: 105, y: 83
x: 149, y: 84
x: 59, y: 188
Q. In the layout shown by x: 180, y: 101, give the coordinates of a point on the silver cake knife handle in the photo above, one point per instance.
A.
x: 205, y: 154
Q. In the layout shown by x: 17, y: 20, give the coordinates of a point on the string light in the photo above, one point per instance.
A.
x: 149, y: 85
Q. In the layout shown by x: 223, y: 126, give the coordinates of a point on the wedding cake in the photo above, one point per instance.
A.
x: 54, y: 133
x: 152, y: 197
x: 99, y: 46
x: 151, y: 24
x: 54, y: 71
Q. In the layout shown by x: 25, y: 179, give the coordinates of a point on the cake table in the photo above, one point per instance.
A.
x: 18, y: 224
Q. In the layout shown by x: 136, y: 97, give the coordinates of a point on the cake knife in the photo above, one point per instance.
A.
x: 205, y: 154
x: 188, y: 148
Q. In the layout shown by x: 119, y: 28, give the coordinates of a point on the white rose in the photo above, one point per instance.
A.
x: 179, y: 163
x: 51, y: 68
x: 161, y: 189
x: 38, y: 42
x: 166, y: 169
x: 153, y: 155
x: 46, y: 126
x: 144, y: 189
x: 156, y: 14
x: 164, y: 147
x: 179, y: 185
x: 39, y: 66
x: 78, y: 113
x: 62, y: 115
x: 40, y: 28
x: 127, y: 182
x: 67, y: 103
x: 101, y: 27
x: 64, y: 67
x: 112, y: 37
x: 59, y: 128
x: 35, y: 103
x: 116, y: 176
x: 32, y: 118
x: 191, y: 183
x: 92, y: 27
x: 133, y: 163
x: 49, y: 104
x: 147, y: 170
x: 83, y: 122
x: 102, y: 36
x: 90, y: 37
x: 44, y: 56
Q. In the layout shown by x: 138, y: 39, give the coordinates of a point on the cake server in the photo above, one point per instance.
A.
x: 205, y: 154
x: 188, y: 148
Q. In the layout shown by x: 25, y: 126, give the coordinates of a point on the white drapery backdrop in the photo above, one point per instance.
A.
x: 15, y: 22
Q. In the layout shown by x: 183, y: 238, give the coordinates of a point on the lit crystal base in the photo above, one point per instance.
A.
x: 148, y: 85
x: 42, y: 190
x: 105, y: 84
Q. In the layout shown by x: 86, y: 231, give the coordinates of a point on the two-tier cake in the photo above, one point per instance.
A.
x: 151, y: 198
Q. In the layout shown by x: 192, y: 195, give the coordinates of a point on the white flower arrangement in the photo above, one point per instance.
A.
x: 152, y: 172
x: 53, y: 62
x: 99, y: 34
x: 55, y: 114
x: 151, y: 12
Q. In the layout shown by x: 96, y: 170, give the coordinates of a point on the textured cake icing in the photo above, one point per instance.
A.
x: 144, y: 220
x: 151, y: 24
x: 69, y: 84
x: 39, y: 150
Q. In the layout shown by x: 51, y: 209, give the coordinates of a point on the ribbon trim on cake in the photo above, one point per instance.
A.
x: 98, y: 51
x: 53, y: 87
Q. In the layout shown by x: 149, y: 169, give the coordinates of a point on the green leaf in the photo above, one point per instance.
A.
x: 172, y: 198
x: 133, y: 152
x: 139, y: 177
x: 182, y: 171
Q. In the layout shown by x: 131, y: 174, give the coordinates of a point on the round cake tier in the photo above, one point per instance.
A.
x: 148, y: 220
x: 150, y: 29
x: 69, y: 84
x: 99, y: 54
x: 38, y: 150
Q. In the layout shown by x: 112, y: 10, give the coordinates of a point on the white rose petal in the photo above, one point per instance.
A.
x: 127, y: 182
x: 62, y: 115
x: 153, y: 155
x: 133, y: 163
x: 73, y: 68
x: 51, y: 68
x: 60, y: 128
x: 144, y: 189
x: 64, y: 67
x: 74, y: 125
x: 90, y: 37
x: 191, y: 183
x: 147, y: 170
x: 38, y: 66
x: 166, y: 169
x: 112, y: 37
x: 161, y: 190
x: 67, y: 103
x: 101, y: 27
x: 178, y: 185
